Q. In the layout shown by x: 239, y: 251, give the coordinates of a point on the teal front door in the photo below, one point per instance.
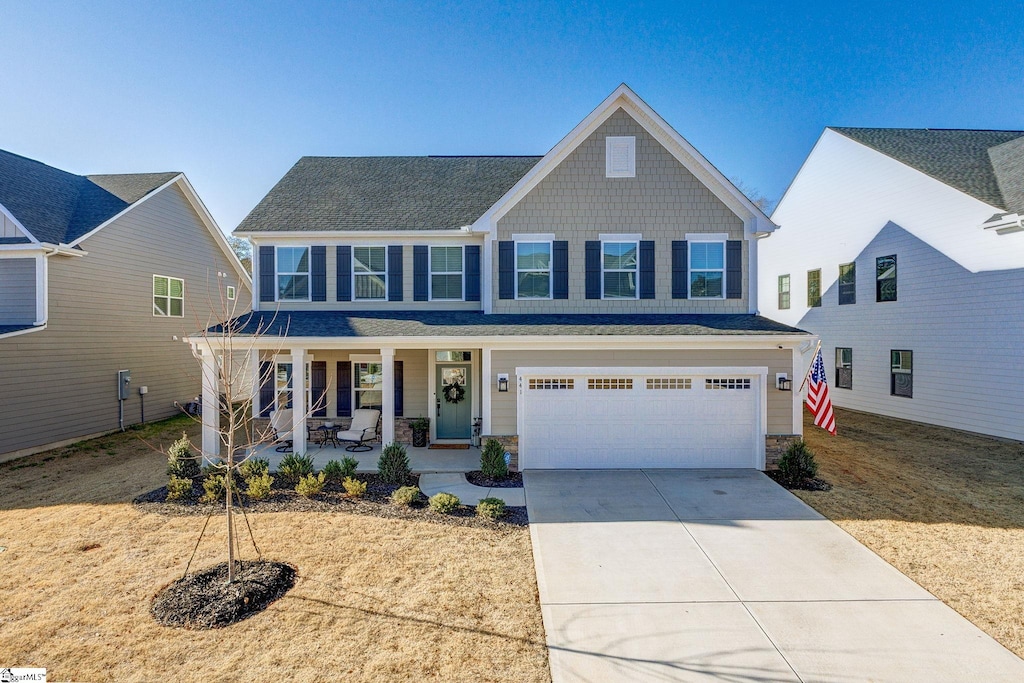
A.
x: 454, y: 420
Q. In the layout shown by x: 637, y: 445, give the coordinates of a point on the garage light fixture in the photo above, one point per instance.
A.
x: 503, y: 383
x: 783, y: 383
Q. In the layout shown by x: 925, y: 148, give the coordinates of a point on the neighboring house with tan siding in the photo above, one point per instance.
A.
x: 596, y: 306
x: 100, y: 274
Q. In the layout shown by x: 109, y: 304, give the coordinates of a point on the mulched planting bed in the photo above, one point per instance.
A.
x: 376, y: 503
x: 803, y: 485
x: 514, y: 480
x: 206, y: 600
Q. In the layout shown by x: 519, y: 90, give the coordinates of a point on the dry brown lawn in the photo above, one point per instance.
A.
x: 376, y: 599
x: 944, y: 507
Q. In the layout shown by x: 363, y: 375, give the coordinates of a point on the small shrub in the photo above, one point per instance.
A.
x: 258, y: 487
x: 338, y: 472
x: 310, y: 485
x: 492, y: 460
x: 393, y: 465
x: 332, y: 470
x: 444, y: 503
x: 181, y: 463
x: 213, y: 485
x: 254, y: 467
x: 407, y: 495
x: 293, y: 467
x: 797, y: 463
x: 354, y: 488
x: 490, y: 508
x: 179, y: 489
x: 348, y: 467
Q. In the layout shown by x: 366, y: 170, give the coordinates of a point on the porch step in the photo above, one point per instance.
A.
x: 432, y: 483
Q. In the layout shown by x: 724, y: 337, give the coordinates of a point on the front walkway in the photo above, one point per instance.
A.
x: 469, y: 494
x: 700, y: 575
x: 420, y: 459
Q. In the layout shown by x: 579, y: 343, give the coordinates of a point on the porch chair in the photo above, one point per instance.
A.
x: 281, y: 423
x: 362, y: 431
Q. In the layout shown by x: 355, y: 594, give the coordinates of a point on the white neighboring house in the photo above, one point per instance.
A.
x: 904, y: 250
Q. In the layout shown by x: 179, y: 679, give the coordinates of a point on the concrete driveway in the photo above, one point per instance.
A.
x: 700, y: 575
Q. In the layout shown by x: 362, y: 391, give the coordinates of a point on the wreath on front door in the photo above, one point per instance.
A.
x: 454, y: 392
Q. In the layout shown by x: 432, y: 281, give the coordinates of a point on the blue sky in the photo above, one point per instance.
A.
x: 234, y: 93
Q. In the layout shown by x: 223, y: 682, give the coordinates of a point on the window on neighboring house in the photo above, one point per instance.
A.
x: 707, y: 270
x: 844, y: 368
x: 533, y: 270
x: 446, y: 273
x: 783, y: 292
x: 902, y: 373
x: 368, y: 388
x: 847, y: 283
x: 369, y: 273
x: 619, y: 261
x: 814, y: 288
x: 293, y: 273
x: 168, y: 296
x: 885, y: 278
x: 231, y: 293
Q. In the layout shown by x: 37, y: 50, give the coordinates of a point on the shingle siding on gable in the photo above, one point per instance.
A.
x: 17, y: 291
x: 576, y: 202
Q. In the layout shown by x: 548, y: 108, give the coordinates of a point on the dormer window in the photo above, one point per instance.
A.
x: 620, y: 156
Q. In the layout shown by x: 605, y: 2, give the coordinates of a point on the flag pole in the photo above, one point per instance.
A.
x: 808, y: 371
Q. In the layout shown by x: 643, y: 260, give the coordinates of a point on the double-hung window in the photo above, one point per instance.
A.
x: 446, y: 274
x: 369, y: 273
x: 368, y: 389
x: 844, y: 367
x: 293, y: 273
x: 283, y: 384
x: 847, y: 283
x: 885, y: 278
x: 168, y: 297
x: 783, y: 292
x: 707, y: 270
x: 814, y: 288
x: 533, y: 270
x: 620, y: 267
x: 901, y: 373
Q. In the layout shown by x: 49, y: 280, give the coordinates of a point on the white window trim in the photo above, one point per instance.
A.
x: 278, y: 273
x: 230, y: 293
x: 169, y: 297
x: 353, y: 268
x: 550, y: 269
x: 431, y: 273
x: 611, y: 239
x: 704, y: 239
x: 612, y: 141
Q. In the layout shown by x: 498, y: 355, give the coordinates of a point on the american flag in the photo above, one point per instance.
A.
x: 818, y: 401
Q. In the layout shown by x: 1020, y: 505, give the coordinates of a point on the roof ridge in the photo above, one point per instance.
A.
x: 951, y: 130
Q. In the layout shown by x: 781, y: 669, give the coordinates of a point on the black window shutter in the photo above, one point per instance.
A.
x: 266, y: 388
x: 344, y: 269
x: 268, y: 273
x: 593, y: 265
x: 472, y: 272
x: 319, y: 272
x: 399, y: 389
x: 318, y: 387
x: 647, y: 269
x: 395, y: 272
x: 560, y: 269
x: 506, y: 270
x: 734, y: 269
x: 421, y: 272
x: 344, y: 389
x: 680, y: 283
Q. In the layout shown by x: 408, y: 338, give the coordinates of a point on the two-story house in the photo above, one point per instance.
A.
x: 101, y: 277
x: 904, y: 250
x: 592, y: 307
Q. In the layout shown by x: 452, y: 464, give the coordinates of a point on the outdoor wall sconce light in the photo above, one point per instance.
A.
x: 783, y: 383
x: 503, y: 383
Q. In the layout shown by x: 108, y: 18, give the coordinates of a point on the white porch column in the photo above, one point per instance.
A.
x: 299, y: 406
x: 486, y: 385
x: 211, y: 406
x: 387, y: 429
x: 254, y: 370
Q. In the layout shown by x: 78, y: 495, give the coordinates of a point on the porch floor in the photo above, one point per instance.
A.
x: 420, y: 459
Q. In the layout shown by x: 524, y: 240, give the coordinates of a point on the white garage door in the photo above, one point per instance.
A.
x: 578, y: 419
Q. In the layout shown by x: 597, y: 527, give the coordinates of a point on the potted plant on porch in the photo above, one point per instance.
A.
x: 420, y: 431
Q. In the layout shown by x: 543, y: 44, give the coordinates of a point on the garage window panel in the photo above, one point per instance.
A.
x: 546, y: 383
x: 669, y: 383
x: 609, y: 383
x: 727, y: 383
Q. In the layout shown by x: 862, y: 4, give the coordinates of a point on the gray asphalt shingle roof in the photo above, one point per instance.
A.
x: 959, y: 158
x: 385, y: 193
x: 477, y: 324
x: 59, y: 207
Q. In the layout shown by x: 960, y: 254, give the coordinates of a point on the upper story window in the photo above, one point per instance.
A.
x: 619, y: 269
x: 293, y: 273
x: 707, y: 270
x: 885, y: 278
x: 620, y: 156
x: 446, y: 273
x: 168, y: 296
x: 533, y: 270
x: 847, y: 283
x: 783, y: 292
x: 844, y: 367
x: 369, y: 273
x: 814, y: 288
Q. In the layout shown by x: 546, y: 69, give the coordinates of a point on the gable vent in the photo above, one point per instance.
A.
x: 620, y: 156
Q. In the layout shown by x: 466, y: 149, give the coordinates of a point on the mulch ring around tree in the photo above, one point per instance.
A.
x: 206, y: 600
x: 814, y: 484
x: 376, y: 503
x: 514, y: 480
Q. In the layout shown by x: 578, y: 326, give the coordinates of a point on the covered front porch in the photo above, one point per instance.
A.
x: 420, y: 459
